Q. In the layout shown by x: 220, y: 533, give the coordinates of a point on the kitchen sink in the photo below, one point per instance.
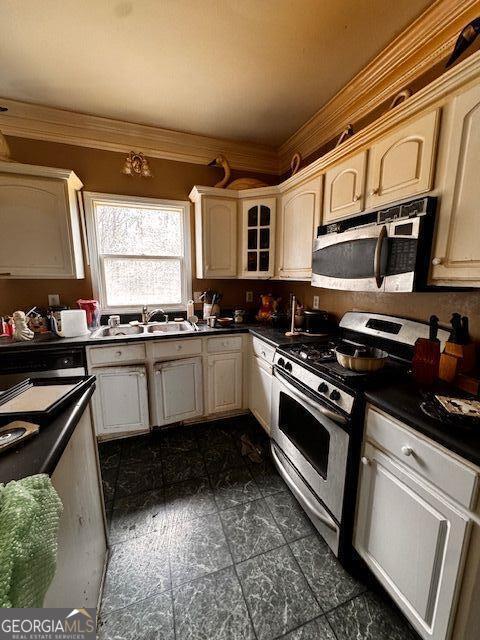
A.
x: 120, y: 330
x: 169, y: 327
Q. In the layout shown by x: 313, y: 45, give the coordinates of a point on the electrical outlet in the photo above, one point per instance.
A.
x: 196, y: 296
x: 249, y: 296
x: 53, y: 300
x: 316, y: 302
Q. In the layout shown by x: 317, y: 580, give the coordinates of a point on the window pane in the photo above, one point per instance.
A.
x: 139, y: 230
x: 253, y: 216
x: 252, y: 238
x: 252, y: 261
x: 132, y: 282
x: 264, y: 216
x: 264, y: 260
x: 264, y: 238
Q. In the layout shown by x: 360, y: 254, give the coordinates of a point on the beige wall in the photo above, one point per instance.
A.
x: 101, y: 171
x: 419, y: 306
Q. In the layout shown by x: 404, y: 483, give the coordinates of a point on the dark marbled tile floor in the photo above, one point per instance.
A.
x: 207, y: 545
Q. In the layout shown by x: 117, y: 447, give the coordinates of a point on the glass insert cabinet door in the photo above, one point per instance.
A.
x: 258, y: 238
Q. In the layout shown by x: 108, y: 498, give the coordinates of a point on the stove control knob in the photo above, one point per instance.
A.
x: 288, y: 366
x: 323, y: 387
x: 335, y: 395
x: 281, y: 362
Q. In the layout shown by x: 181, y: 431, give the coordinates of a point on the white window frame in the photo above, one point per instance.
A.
x: 91, y: 199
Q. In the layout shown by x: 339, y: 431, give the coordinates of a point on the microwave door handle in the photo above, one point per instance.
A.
x: 299, y: 495
x: 333, y: 415
x: 377, y: 263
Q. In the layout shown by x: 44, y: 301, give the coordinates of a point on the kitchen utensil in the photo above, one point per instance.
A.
x: 426, y: 358
x: 113, y: 321
x: 292, y: 323
x: 190, y: 308
x: 92, y: 309
x: 73, y: 323
x: 316, y: 321
x: 193, y: 319
x: 225, y: 321
x: 15, y: 432
x: 360, y: 358
x: 211, y: 321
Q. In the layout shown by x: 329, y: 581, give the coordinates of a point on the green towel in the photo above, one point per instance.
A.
x: 29, y: 516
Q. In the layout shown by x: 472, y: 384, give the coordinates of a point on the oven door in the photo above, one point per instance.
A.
x: 315, y: 444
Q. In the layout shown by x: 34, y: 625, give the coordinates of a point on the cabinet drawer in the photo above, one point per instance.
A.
x: 170, y: 348
x: 442, y: 470
x: 263, y: 350
x: 226, y: 343
x: 117, y: 353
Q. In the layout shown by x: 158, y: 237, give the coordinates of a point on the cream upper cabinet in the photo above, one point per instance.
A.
x: 40, y: 224
x: 257, y: 253
x: 456, y: 253
x: 402, y: 164
x: 345, y: 188
x: 216, y: 237
x: 299, y: 216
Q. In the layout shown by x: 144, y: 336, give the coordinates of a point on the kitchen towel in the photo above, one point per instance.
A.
x: 29, y: 517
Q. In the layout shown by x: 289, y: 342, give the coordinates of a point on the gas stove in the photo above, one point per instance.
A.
x: 318, y: 415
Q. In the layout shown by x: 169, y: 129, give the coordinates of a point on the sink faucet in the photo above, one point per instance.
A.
x: 148, y: 315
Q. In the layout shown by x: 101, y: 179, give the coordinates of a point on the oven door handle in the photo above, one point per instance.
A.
x: 333, y: 415
x: 329, y: 522
x: 377, y: 262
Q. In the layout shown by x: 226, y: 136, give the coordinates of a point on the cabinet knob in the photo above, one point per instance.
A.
x: 357, y: 197
x: 437, y: 261
x: 374, y: 191
x: 264, y: 354
x: 179, y: 347
x: 407, y: 451
x: 366, y: 461
x: 157, y: 373
x: 118, y: 353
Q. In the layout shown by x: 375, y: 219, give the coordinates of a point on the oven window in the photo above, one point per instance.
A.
x: 304, y: 431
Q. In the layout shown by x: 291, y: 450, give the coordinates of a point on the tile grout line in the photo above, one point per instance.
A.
x: 234, y: 565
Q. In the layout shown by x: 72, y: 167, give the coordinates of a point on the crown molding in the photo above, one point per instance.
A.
x: 38, y: 122
x: 418, y: 48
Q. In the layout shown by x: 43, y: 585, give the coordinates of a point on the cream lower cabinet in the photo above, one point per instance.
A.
x: 120, y: 402
x: 298, y: 218
x: 456, y: 252
x: 178, y: 390
x: 413, y: 538
x: 225, y: 382
x: 216, y: 224
x: 40, y: 225
x: 260, y: 391
x: 402, y: 164
x: 345, y: 188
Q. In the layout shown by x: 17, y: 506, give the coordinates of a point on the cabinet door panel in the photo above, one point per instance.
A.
x: 38, y: 243
x: 219, y: 229
x: 344, y: 188
x: 120, y: 401
x: 224, y: 382
x: 300, y: 216
x: 257, y: 256
x: 413, y: 541
x: 401, y: 164
x: 457, y: 250
x: 179, y: 390
x: 260, y: 392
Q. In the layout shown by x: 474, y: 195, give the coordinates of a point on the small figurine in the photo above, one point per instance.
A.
x: 268, y: 307
x: 21, y: 332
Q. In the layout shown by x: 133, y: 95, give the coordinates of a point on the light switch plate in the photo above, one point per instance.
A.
x: 316, y: 302
x: 249, y: 296
x: 53, y: 300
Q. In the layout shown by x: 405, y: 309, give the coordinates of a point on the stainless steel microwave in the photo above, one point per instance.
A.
x: 386, y: 250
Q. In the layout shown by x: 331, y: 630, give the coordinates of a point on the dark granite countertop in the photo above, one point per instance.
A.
x: 41, y: 453
x: 402, y: 399
x: 49, y: 340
